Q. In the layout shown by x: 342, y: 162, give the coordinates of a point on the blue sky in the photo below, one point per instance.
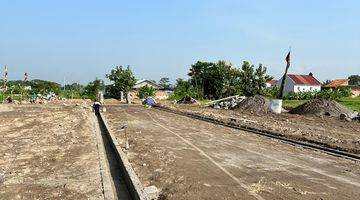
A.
x: 81, y: 40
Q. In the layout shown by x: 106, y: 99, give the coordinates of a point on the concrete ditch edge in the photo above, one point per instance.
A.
x: 104, y: 169
x: 132, y: 180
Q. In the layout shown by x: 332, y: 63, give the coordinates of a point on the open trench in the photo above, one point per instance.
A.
x: 113, y: 182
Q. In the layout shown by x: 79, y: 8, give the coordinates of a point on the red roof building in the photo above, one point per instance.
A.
x: 355, y: 90
x: 304, y: 79
x: 337, y: 83
x: 300, y: 83
x: 271, y: 83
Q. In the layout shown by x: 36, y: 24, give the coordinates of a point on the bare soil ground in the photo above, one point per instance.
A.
x: 192, y: 159
x: 48, y: 152
x: 323, y: 130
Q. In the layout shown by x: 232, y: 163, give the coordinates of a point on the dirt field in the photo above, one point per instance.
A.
x: 326, y: 131
x: 192, y: 159
x: 48, y: 152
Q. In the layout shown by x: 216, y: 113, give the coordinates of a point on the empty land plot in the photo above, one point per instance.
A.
x: 48, y: 152
x: 326, y: 131
x: 192, y: 159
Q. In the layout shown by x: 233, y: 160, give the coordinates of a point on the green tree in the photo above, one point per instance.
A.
x: 253, y: 81
x: 165, y: 83
x: 214, y: 80
x: 184, y: 88
x: 92, y: 89
x: 123, y: 80
x: 261, y: 78
x: 247, y: 79
x: 146, y: 91
x: 44, y: 87
x: 354, y: 80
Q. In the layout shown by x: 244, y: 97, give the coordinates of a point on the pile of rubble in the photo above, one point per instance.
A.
x: 326, y: 107
x: 35, y: 99
x: 226, y: 103
x: 255, y: 104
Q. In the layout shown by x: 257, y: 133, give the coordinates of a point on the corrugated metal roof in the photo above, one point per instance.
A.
x: 304, y: 79
x: 337, y: 83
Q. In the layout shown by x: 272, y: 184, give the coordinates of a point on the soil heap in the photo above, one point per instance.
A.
x: 256, y: 104
x: 321, y: 107
x: 187, y: 100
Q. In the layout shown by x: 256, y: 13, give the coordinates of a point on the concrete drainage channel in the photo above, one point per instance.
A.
x: 124, y: 182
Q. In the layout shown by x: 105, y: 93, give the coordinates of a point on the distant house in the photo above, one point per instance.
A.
x: 142, y: 83
x: 300, y: 83
x: 271, y: 83
x: 337, y: 83
x: 160, y: 93
x: 355, y: 90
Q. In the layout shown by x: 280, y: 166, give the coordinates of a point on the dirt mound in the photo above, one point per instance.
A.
x: 257, y: 104
x: 321, y: 107
x: 187, y: 100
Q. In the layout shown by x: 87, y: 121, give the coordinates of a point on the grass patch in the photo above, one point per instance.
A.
x: 350, y: 102
x: 290, y: 104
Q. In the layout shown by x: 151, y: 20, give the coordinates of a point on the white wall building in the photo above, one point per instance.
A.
x: 142, y: 83
x: 300, y: 83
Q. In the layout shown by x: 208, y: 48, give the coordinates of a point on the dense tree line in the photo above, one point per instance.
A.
x: 210, y: 80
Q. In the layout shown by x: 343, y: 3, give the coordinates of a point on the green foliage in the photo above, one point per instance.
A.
x: 325, y: 82
x: 165, y: 83
x: 123, y: 80
x: 216, y: 80
x: 290, y: 104
x: 324, y: 94
x: 72, y: 94
x: 272, y: 92
x: 44, y: 87
x: 354, y: 80
x: 351, y: 102
x: 18, y: 89
x: 183, y: 88
x: 92, y: 89
x: 73, y: 91
x: 253, y: 81
x: 74, y: 87
x: 146, y: 91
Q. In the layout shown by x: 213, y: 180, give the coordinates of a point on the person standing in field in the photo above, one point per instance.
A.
x: 96, y: 107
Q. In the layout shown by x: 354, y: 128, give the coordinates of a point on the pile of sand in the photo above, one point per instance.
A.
x: 256, y: 104
x: 321, y: 107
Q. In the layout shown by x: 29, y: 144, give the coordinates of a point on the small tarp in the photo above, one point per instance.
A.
x: 150, y: 101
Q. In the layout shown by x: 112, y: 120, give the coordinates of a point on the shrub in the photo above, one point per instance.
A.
x: 272, y: 92
x: 146, y: 91
x: 184, y: 88
x: 324, y: 94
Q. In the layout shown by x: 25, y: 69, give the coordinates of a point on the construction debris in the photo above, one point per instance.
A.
x: 256, y: 104
x: 226, y: 103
